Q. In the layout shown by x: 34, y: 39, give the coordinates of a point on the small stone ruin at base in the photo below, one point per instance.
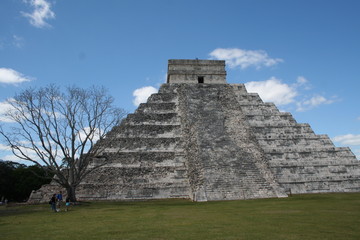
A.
x: 202, y: 139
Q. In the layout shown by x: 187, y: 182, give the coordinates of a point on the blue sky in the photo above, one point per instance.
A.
x: 302, y: 55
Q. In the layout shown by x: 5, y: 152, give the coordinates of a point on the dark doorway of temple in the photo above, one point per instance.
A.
x: 200, y: 79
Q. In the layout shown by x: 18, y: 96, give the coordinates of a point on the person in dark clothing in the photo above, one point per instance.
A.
x: 53, y: 203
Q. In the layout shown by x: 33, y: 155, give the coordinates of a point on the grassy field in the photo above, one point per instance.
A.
x: 318, y: 216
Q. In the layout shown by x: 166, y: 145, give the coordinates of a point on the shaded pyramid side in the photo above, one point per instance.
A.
x: 301, y: 161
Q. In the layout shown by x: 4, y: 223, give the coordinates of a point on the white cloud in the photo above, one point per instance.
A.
x: 15, y: 41
x: 141, y: 94
x: 357, y: 153
x: 82, y: 134
x: 312, y: 102
x: 10, y: 157
x: 236, y: 57
x: 13, y: 158
x: 348, y: 139
x: 41, y: 13
x: 317, y: 100
x: 5, y: 107
x: 4, y: 147
x: 301, y: 80
x: 18, y: 41
x: 25, y: 147
x: 10, y: 76
x: 273, y: 90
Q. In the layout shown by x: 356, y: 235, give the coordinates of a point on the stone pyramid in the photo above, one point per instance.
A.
x: 203, y: 139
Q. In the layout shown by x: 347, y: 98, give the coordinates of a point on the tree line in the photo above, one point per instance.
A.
x: 18, y: 180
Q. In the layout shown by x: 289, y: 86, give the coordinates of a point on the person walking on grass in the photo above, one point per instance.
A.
x: 59, y: 199
x: 53, y: 202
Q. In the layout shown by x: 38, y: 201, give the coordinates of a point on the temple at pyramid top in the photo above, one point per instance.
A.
x: 196, y: 71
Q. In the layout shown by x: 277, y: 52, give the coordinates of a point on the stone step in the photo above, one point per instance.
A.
x: 259, y: 109
x: 149, y: 130
x: 345, y: 151
x: 140, y: 176
x: 135, y: 157
x: 164, y: 107
x: 164, y: 97
x: 316, y: 167
x: 248, y: 98
x: 178, y: 151
x: 239, y: 88
x: 268, y: 122
x: 298, y: 142
x: 152, y: 118
x: 150, y: 164
x: 299, y: 128
x: 145, y: 143
x: 282, y: 124
x: 259, y: 114
x: 313, y: 178
x: 313, y: 157
x: 239, y: 192
x: 310, y: 136
x: 248, y: 107
x: 323, y: 186
x: 320, y: 171
x: 129, y: 123
x: 160, y: 137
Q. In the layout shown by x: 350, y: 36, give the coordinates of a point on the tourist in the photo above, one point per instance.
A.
x: 59, y: 199
x: 53, y: 202
x: 67, y: 203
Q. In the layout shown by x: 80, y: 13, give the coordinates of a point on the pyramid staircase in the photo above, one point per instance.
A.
x: 224, y: 160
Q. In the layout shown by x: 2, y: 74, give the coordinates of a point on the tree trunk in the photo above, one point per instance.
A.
x: 71, y: 192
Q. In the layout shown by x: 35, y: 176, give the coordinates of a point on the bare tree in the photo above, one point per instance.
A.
x: 58, y: 130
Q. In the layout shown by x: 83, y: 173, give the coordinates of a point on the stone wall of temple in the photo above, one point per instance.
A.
x: 196, y: 71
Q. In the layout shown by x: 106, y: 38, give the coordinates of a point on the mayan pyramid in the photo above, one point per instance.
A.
x: 203, y: 139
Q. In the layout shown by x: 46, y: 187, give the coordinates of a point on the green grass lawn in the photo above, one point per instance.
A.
x: 316, y: 216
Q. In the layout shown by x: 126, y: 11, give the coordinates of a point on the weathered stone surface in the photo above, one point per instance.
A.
x: 196, y: 71
x: 209, y: 141
x: 224, y: 160
x: 300, y: 160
